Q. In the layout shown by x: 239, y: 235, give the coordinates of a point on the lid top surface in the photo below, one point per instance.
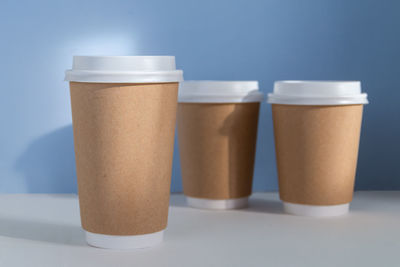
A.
x: 213, y: 87
x: 317, y: 88
x: 124, y: 63
x: 129, y: 69
x: 317, y: 93
x: 208, y: 91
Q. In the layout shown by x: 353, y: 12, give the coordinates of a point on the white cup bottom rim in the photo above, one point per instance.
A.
x: 217, y: 204
x: 124, y: 241
x: 316, y: 210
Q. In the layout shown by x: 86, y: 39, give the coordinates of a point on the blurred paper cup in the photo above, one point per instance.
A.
x: 217, y: 132
x: 317, y: 130
x: 124, y: 113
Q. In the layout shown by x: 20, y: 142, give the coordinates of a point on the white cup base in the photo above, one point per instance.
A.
x: 316, y: 211
x: 217, y: 204
x: 124, y: 241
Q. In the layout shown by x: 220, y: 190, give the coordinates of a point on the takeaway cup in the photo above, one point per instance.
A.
x: 317, y: 130
x: 217, y: 132
x: 124, y: 113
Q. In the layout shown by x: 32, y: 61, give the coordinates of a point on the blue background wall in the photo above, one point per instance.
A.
x: 211, y: 39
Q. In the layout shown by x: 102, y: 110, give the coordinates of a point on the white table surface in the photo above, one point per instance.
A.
x: 44, y: 230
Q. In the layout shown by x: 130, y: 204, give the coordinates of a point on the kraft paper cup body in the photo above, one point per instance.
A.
x: 317, y: 130
x: 123, y: 138
x: 217, y: 132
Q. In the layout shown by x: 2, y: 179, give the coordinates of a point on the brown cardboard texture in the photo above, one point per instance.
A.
x: 316, y: 152
x: 217, y: 145
x: 123, y: 135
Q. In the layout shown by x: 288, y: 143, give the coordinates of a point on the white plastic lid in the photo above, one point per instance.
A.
x: 317, y: 93
x: 219, y: 92
x: 124, y: 69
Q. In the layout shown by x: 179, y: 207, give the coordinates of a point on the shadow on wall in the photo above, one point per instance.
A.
x: 48, y: 164
x: 176, y: 180
x: 378, y: 155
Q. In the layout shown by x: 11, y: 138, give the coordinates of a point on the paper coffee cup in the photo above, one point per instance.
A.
x: 124, y: 113
x: 317, y: 130
x: 217, y: 132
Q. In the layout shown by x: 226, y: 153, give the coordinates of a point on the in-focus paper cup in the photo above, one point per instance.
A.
x: 317, y: 130
x: 124, y: 113
x: 217, y: 133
